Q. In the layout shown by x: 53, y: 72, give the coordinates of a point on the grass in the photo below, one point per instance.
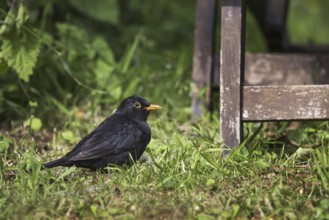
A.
x: 182, y: 176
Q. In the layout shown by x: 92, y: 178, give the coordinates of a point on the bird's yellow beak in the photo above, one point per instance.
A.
x: 152, y: 107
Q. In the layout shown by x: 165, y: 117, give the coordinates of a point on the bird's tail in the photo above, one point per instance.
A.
x: 60, y: 162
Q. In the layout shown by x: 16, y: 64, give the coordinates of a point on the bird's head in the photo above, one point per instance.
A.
x: 136, y: 107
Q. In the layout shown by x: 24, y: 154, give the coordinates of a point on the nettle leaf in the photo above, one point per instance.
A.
x: 105, y: 11
x: 8, y: 23
x: 22, y: 16
x: 21, y: 51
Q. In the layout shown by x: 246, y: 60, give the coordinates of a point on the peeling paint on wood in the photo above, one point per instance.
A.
x: 274, y: 103
x: 231, y: 67
x: 284, y: 69
x: 279, y: 86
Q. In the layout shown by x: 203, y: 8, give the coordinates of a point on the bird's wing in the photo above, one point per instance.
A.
x: 101, y: 146
x: 105, y: 141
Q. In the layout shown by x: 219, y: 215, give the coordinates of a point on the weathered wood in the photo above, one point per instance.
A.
x: 231, y: 67
x: 283, y: 69
x: 286, y: 69
x: 288, y: 97
x: 203, y: 53
x: 275, y: 103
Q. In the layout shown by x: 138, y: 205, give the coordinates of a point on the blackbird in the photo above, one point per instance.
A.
x: 120, y: 139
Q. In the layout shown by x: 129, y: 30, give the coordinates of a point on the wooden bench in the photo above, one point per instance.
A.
x: 256, y: 87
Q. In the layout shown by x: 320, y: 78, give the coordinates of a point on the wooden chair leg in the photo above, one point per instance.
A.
x: 203, y: 54
x: 232, y: 71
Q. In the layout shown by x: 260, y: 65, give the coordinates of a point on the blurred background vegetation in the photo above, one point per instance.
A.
x: 65, y: 59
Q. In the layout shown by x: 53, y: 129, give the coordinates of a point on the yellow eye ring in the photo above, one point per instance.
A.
x: 137, y: 105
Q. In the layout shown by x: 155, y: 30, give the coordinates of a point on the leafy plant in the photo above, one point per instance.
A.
x: 19, y: 49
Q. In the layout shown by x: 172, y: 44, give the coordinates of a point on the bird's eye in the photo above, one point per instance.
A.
x: 137, y: 105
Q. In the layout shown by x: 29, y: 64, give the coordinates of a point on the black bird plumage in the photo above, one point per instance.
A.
x: 120, y: 139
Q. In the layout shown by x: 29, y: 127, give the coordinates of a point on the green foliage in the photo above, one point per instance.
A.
x: 21, y: 53
x: 322, y: 166
x: 68, y: 135
x: 313, y: 30
x: 34, y: 123
x: 105, y: 11
x: 91, y: 55
x: 255, y: 41
x: 20, y: 49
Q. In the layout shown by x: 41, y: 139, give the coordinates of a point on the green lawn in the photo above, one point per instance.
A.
x: 182, y: 176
